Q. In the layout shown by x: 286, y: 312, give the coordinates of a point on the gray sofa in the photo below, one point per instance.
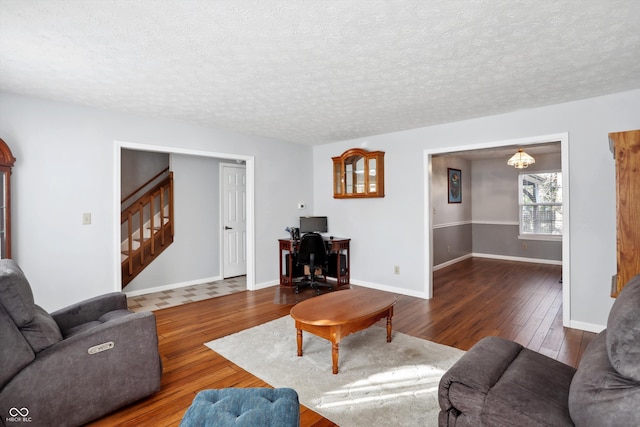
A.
x: 500, y: 383
x: 74, y: 365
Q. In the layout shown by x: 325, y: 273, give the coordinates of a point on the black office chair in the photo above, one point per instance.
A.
x: 313, y: 253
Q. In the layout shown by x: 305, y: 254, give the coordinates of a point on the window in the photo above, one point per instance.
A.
x: 540, y: 197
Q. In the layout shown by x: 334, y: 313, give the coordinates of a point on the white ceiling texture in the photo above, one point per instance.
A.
x: 313, y: 72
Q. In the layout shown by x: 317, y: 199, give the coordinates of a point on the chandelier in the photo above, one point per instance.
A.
x: 520, y: 160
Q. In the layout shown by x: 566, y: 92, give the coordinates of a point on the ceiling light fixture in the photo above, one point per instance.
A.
x: 521, y: 160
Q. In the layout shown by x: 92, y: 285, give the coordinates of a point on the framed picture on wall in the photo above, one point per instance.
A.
x: 454, y: 185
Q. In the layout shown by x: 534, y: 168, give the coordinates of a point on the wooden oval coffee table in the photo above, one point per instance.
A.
x: 335, y: 315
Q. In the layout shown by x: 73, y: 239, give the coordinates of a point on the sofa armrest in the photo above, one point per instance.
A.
x: 464, y: 386
x: 124, y: 327
x: 599, y: 394
x: 91, y: 373
x: 89, y: 310
x: 482, y: 366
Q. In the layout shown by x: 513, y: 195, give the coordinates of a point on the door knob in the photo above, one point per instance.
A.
x: 226, y: 227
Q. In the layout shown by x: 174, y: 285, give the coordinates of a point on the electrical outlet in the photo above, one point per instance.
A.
x: 448, y: 249
x: 396, y: 269
x: 86, y: 218
x: 524, y: 246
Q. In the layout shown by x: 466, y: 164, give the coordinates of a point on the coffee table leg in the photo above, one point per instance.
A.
x: 299, y: 339
x: 389, y: 328
x: 334, y: 356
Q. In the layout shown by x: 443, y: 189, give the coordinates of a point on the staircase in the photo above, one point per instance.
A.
x: 146, y: 225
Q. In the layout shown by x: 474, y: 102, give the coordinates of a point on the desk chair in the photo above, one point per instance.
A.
x: 313, y: 253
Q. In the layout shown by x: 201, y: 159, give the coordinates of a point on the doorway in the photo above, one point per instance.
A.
x: 248, y: 200
x: 563, y: 139
x: 233, y: 217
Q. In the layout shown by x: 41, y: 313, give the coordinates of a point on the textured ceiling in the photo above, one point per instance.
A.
x: 313, y: 72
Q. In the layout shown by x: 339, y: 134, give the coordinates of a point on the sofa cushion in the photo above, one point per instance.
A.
x: 15, y: 352
x: 42, y: 331
x: 15, y: 293
x: 107, y: 317
x: 623, y: 331
x: 599, y: 395
x: 533, y: 391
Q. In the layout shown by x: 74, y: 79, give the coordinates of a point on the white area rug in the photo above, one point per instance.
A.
x: 379, y: 383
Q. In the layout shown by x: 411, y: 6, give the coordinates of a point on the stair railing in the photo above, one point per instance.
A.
x: 149, y: 226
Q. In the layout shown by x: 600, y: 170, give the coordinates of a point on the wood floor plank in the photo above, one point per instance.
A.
x: 472, y: 299
x: 535, y: 341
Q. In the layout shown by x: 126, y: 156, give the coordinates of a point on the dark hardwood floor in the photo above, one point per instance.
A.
x: 472, y: 299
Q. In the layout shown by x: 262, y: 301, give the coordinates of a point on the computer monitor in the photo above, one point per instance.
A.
x: 313, y: 224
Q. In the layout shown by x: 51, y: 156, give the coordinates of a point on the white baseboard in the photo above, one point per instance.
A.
x: 589, y: 327
x: 145, y: 291
x: 519, y: 259
x: 267, y: 284
x: 500, y: 257
x: 387, y: 288
x: 451, y: 262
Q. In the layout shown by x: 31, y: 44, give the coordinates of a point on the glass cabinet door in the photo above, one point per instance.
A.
x: 372, y: 175
x: 338, y: 181
x: 349, y: 172
x: 354, y: 174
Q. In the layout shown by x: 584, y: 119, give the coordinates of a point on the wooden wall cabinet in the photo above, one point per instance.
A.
x: 626, y: 151
x: 358, y: 173
x: 6, y: 164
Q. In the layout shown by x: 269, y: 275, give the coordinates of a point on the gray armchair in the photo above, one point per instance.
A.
x: 76, y: 364
x: 500, y: 383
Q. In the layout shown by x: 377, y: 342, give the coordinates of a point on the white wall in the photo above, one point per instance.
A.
x: 390, y: 231
x: 65, y: 164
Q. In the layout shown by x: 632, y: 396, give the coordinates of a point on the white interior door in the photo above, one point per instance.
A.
x: 234, y: 220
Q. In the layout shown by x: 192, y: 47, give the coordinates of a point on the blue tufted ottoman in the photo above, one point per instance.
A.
x: 244, y: 407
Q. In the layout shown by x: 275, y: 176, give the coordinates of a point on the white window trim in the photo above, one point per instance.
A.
x: 547, y: 237
x: 540, y: 237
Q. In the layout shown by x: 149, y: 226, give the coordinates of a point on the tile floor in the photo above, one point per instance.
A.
x: 173, y: 297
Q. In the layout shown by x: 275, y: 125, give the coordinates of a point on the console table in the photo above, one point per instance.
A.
x: 338, y: 247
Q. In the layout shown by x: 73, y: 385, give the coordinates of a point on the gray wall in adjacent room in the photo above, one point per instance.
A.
x: 502, y: 240
x: 451, y: 221
x: 138, y: 167
x: 443, y: 211
x: 451, y: 242
x: 495, y: 186
x: 496, y: 212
